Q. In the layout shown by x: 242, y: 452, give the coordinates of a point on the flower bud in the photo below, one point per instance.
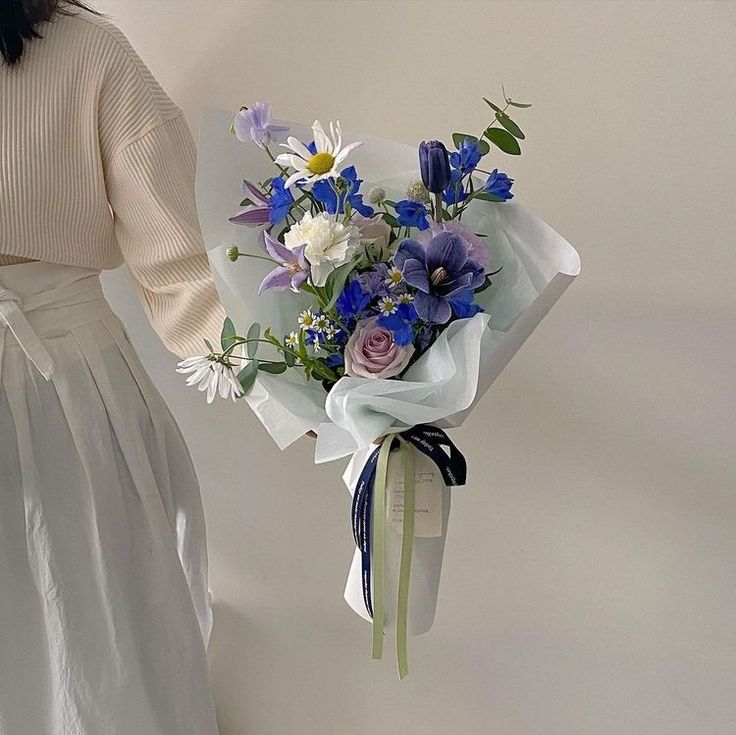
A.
x: 233, y: 253
x: 416, y: 191
x: 376, y: 195
x: 434, y: 164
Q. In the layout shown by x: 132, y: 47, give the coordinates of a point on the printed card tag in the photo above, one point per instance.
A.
x: 428, y: 496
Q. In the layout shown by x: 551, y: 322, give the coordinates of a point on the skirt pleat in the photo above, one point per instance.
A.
x: 104, y: 613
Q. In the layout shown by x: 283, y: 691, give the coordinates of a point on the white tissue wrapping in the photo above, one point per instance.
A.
x: 441, y: 388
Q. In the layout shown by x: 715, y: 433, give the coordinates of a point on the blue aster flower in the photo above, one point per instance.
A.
x: 467, y: 157
x: 412, y: 214
x: 401, y: 323
x: 373, y: 281
x: 499, y: 185
x: 324, y: 192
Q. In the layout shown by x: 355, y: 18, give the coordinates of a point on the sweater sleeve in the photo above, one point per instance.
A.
x: 151, y: 192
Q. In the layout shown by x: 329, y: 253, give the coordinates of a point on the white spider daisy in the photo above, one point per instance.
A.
x: 405, y: 298
x: 212, y: 375
x: 323, y: 164
x: 292, y: 340
x: 387, y: 305
x: 394, y: 277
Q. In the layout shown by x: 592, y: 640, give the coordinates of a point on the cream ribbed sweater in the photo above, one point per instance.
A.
x: 98, y: 168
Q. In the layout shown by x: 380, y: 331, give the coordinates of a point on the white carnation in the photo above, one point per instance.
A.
x: 329, y: 243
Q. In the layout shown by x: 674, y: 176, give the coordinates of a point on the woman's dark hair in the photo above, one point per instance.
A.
x: 20, y: 21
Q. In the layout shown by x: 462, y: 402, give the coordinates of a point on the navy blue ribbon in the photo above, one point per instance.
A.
x: 430, y: 441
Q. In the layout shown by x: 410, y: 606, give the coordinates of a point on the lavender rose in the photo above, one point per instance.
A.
x: 372, y: 353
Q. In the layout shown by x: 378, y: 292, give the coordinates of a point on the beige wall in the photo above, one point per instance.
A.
x: 590, y: 577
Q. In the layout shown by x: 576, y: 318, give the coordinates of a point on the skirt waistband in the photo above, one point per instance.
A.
x: 43, y: 300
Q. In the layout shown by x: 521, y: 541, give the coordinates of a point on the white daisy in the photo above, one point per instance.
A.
x: 405, y: 298
x: 306, y: 319
x: 211, y: 375
x: 323, y: 164
x: 387, y: 306
x: 394, y: 277
x: 330, y: 332
x: 292, y: 340
x: 321, y: 323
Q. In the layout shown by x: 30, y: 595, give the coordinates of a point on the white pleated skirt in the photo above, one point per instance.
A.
x: 104, y: 609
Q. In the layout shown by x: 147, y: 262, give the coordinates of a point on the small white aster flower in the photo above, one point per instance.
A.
x: 292, y: 340
x: 394, y: 277
x: 212, y: 375
x: 330, y: 332
x: 387, y: 305
x: 306, y: 319
x: 405, y: 298
x: 321, y: 323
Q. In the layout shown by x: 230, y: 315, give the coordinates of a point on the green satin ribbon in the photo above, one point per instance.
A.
x: 378, y: 545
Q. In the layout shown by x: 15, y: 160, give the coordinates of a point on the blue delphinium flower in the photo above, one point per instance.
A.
x: 280, y: 202
x: 352, y: 302
x: 412, y: 214
x: 467, y: 157
x: 464, y: 306
x: 334, y: 360
x: 499, y: 185
x: 324, y: 192
x: 455, y: 192
x: 401, y: 323
x: 439, y: 272
x: 434, y: 165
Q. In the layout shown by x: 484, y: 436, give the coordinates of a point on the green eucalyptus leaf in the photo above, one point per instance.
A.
x: 510, y: 125
x: 289, y: 358
x: 275, y: 368
x: 228, y: 333
x: 209, y: 345
x: 502, y: 139
x: 496, y: 108
x: 336, y: 282
x: 390, y: 220
x: 254, y: 332
x: 247, y: 376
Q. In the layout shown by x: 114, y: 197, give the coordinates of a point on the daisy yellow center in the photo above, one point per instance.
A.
x: 321, y: 163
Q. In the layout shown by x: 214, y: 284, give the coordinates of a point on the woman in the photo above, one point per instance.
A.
x: 104, y: 614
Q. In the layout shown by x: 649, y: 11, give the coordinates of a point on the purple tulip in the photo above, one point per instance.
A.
x: 292, y: 271
x: 255, y: 123
x: 434, y: 164
x: 439, y: 272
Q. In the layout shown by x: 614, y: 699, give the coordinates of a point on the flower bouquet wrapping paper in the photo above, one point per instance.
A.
x: 375, y: 312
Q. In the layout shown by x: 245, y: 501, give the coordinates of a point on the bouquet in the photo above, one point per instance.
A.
x: 375, y: 317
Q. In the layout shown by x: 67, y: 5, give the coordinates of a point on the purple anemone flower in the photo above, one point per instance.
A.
x: 256, y: 123
x: 440, y: 272
x: 292, y: 271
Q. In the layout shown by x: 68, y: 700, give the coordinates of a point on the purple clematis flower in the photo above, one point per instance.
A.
x: 256, y: 214
x: 292, y: 271
x: 256, y: 123
x: 440, y: 273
